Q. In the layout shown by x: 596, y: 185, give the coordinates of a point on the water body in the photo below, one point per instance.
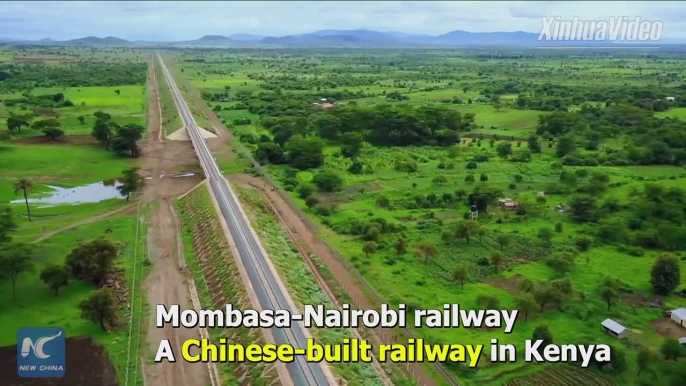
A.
x: 90, y: 193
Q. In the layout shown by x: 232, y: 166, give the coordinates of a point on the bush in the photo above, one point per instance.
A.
x: 328, y: 181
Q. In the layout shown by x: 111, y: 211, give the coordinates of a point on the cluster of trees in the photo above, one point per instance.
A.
x: 84, y: 73
x: 652, y: 140
x: 29, y: 101
x: 121, y: 139
x: 50, y: 127
x: 91, y: 262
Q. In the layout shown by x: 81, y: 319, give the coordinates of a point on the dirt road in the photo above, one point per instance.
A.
x: 168, y: 281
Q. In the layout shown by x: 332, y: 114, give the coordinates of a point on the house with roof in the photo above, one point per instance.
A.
x: 614, y: 329
x: 508, y: 203
x: 670, y: 99
x: 679, y: 316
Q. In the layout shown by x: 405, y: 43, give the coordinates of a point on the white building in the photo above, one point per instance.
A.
x: 615, y: 329
x: 679, y: 316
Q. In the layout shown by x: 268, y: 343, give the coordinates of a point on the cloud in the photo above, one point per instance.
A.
x: 181, y: 20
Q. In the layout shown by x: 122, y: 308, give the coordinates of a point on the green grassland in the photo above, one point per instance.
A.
x: 453, y: 78
x: 37, y: 305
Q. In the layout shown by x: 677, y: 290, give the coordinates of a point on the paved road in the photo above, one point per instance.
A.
x: 261, y: 277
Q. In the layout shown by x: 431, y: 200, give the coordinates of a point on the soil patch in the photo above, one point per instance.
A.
x: 667, y: 328
x: 87, y: 364
x: 509, y: 285
x: 643, y: 301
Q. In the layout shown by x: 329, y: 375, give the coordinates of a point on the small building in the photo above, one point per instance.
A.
x: 679, y: 316
x: 540, y: 194
x: 508, y: 203
x: 614, y: 329
x: 479, y: 98
x: 670, y: 99
x: 326, y: 105
x: 562, y: 209
x: 682, y: 341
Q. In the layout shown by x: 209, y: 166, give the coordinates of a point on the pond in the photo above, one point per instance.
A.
x: 96, y: 192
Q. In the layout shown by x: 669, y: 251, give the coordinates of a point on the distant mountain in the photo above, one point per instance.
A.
x: 214, y: 38
x: 96, y: 41
x: 246, y: 37
x: 341, y: 38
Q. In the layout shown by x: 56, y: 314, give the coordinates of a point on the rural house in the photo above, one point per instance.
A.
x: 679, y: 316
x: 615, y: 329
x: 508, y: 203
x: 670, y: 99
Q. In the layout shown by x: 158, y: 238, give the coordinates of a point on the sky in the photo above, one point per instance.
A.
x: 187, y: 20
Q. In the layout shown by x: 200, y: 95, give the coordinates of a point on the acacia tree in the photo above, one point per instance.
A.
x: 15, y: 259
x: 99, y: 307
x: 503, y: 240
x: 427, y: 250
x: 609, y: 295
x: 126, y: 140
x: 643, y: 359
x: 24, y: 185
x: 526, y: 304
x: 461, y: 274
x: 466, y: 229
x: 131, y: 182
x: 55, y: 276
x: 369, y: 247
x: 400, y: 245
x: 15, y: 123
x: 497, y: 259
x: 92, y: 261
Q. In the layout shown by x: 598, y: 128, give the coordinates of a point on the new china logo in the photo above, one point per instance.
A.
x: 40, y: 352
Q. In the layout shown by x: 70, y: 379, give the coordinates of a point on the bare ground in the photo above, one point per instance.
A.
x: 668, y: 328
x: 167, y: 283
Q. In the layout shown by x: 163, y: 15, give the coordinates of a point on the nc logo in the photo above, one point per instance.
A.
x: 41, y: 352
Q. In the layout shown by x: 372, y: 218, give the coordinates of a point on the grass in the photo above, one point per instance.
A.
x: 301, y: 283
x: 62, y: 165
x: 36, y: 305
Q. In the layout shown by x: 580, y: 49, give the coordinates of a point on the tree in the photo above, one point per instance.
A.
x: 328, y: 181
x: 609, y: 295
x: 547, y: 295
x: 545, y: 234
x: 99, y: 307
x: 534, y: 146
x: 466, y: 229
x: 118, y: 92
x: 504, y: 149
x: 7, y: 225
x: 25, y: 186
x: 369, y: 247
x: 643, y: 359
x: 351, y: 144
x: 131, y: 182
x: 488, y: 302
x: 15, y: 259
x: 55, y: 276
x: 461, y: 274
x: 328, y: 126
x: 400, y: 245
x: 526, y: 285
x: 526, y: 304
x: 497, y: 259
x: 15, y: 123
x: 311, y: 202
x: 126, y: 140
x: 565, y: 146
x: 305, y: 190
x: 81, y: 119
x: 671, y: 349
x: 560, y: 262
x: 305, y: 153
x: 103, y: 132
x: 53, y: 133
x: 503, y: 240
x: 426, y: 250
x: 543, y: 333
x: 92, y: 261
x: 45, y: 123
x: 665, y: 275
